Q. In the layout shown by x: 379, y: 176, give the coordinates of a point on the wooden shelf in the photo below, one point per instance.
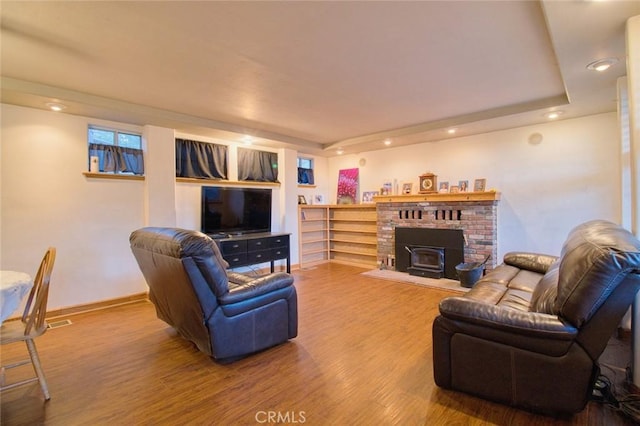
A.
x: 340, y: 240
x: 349, y: 235
x: 355, y: 231
x: 445, y: 196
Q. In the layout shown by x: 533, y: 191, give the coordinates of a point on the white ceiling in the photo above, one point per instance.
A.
x: 315, y: 76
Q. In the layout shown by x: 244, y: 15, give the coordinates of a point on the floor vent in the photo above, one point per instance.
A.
x: 58, y: 324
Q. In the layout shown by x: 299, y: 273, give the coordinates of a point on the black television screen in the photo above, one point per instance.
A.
x: 235, y: 210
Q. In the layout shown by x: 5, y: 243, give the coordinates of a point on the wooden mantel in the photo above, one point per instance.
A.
x: 438, y: 197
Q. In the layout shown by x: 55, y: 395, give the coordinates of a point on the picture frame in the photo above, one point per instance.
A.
x: 407, y: 187
x: 318, y: 199
x: 463, y: 185
x: 454, y: 189
x: 302, y: 199
x: 479, y: 185
x: 387, y: 188
x: 367, y: 196
x: 443, y: 187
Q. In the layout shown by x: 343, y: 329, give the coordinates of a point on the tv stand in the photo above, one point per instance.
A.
x: 251, y: 249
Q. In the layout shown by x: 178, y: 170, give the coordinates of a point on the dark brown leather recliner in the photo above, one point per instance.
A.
x: 225, y: 314
x: 529, y: 334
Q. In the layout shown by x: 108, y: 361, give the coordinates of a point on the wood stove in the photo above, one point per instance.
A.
x: 445, y: 250
x: 426, y: 261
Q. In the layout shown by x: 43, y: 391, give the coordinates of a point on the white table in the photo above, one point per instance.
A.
x: 14, y: 286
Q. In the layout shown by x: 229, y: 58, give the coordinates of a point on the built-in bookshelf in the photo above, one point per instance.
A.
x: 338, y: 233
x: 313, y: 228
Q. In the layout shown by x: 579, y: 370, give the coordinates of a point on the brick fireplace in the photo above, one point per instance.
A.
x: 475, y: 213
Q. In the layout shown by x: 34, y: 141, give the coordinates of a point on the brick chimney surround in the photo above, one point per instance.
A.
x: 475, y: 213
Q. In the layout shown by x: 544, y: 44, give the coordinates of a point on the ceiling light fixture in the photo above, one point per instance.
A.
x: 552, y: 115
x: 53, y: 106
x: 602, y: 64
x: 387, y: 142
x: 452, y: 131
x: 340, y: 151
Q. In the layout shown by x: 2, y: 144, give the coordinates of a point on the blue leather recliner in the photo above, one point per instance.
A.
x: 225, y: 314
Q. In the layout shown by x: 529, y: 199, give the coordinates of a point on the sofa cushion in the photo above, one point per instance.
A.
x: 544, y: 296
x: 535, y: 262
x: 595, y: 258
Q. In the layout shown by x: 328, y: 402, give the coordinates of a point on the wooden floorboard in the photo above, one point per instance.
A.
x: 362, y: 357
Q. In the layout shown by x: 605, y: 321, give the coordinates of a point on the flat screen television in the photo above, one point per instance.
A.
x: 235, y: 211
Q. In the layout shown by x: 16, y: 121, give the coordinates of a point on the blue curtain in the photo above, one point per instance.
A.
x: 117, y: 159
x: 260, y: 166
x: 201, y: 160
x: 305, y: 176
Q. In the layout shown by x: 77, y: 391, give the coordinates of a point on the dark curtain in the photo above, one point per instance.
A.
x: 305, y: 176
x: 258, y: 166
x: 200, y: 160
x: 117, y: 159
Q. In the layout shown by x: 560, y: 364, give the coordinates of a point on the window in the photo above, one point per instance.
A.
x: 113, y: 151
x: 305, y: 171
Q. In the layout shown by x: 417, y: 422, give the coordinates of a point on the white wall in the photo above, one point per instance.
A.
x: 572, y: 176
x: 47, y: 201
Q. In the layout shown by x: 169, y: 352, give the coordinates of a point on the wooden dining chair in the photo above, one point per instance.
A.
x: 31, y: 325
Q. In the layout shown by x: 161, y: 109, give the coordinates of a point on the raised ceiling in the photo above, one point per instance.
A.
x: 315, y: 76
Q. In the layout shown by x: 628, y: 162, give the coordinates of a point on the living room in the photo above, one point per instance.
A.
x: 551, y: 176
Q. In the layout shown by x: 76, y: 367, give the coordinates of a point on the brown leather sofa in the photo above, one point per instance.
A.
x: 225, y: 314
x: 529, y: 333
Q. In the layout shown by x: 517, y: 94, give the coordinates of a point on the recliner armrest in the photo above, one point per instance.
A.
x: 530, y: 261
x: 257, y: 287
x: 517, y: 322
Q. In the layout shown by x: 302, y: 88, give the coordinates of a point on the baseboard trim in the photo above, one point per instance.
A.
x: 96, y: 306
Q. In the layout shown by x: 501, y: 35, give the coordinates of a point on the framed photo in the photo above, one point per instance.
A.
x: 454, y: 189
x: 443, y: 187
x: 406, y: 187
x: 463, y: 185
x: 318, y: 199
x: 387, y: 188
x: 479, y: 185
x: 301, y: 199
x: 367, y: 196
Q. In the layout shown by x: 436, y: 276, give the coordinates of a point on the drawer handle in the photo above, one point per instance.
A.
x: 236, y: 245
x: 235, y: 259
x: 258, y: 256
x: 259, y: 243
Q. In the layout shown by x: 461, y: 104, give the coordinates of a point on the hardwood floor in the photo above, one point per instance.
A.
x: 362, y: 357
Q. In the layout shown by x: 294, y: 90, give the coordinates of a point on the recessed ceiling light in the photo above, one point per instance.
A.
x: 452, y: 131
x: 552, y: 115
x: 602, y: 64
x: 340, y: 151
x: 53, y: 106
x: 387, y: 142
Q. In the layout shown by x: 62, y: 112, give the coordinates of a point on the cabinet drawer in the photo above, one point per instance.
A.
x: 279, y: 253
x: 237, y: 259
x: 259, y: 256
x: 231, y: 247
x: 282, y: 241
x: 258, y: 244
